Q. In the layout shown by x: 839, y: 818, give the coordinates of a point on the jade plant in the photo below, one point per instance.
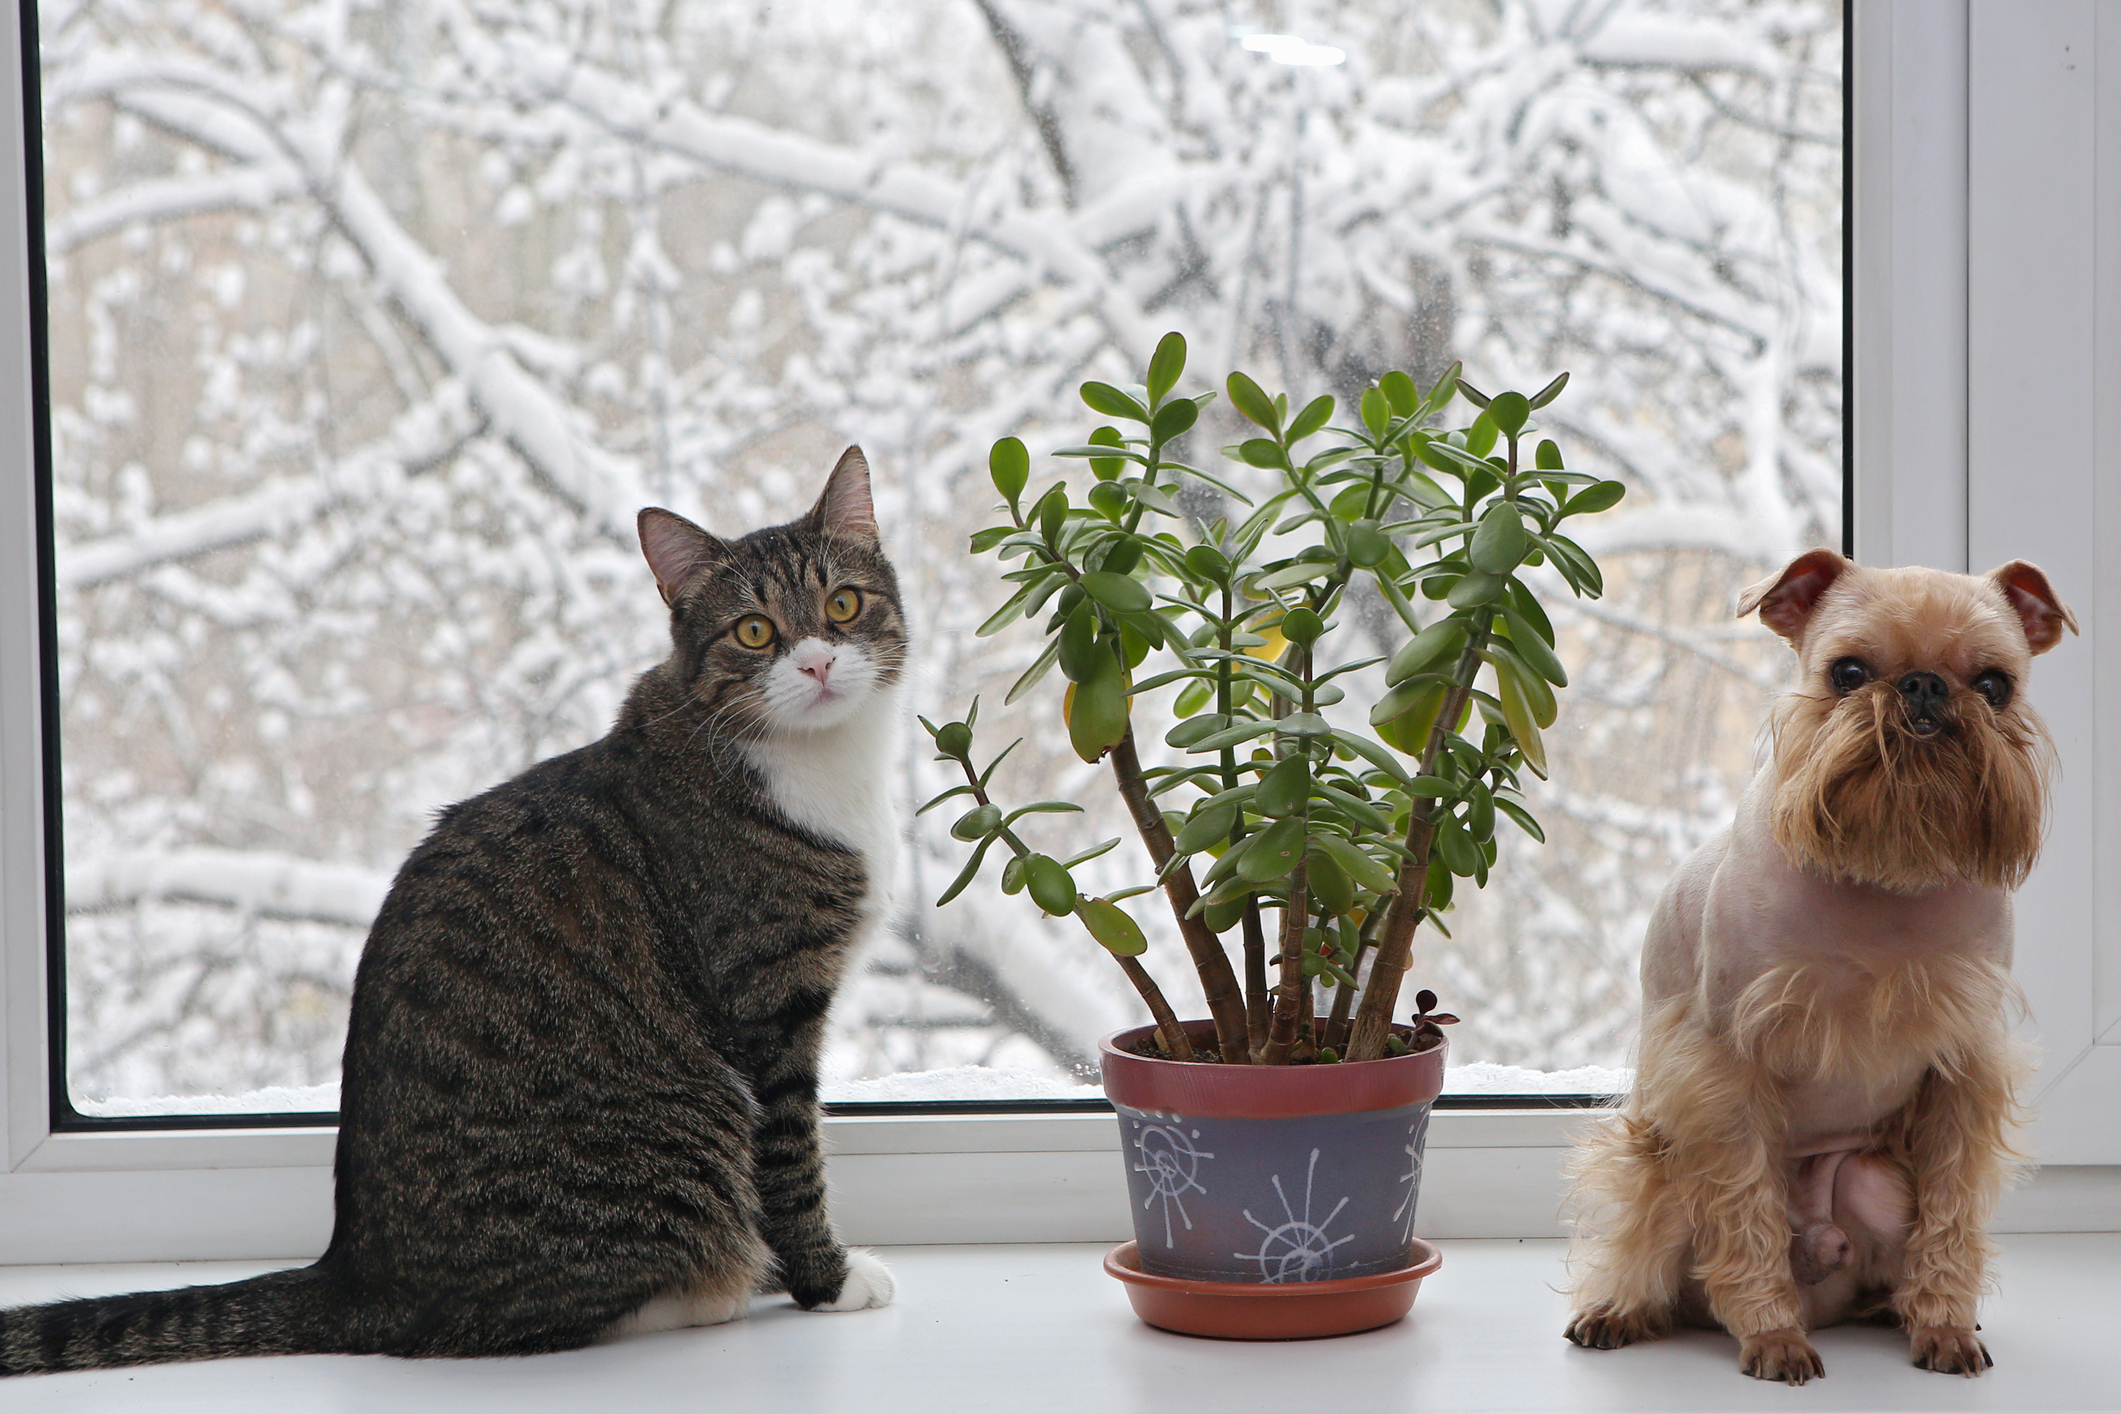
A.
x: 1278, y: 802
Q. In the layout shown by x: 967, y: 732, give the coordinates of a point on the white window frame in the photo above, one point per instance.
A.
x: 1983, y: 211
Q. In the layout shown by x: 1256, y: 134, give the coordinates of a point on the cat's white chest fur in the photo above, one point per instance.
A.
x: 836, y: 782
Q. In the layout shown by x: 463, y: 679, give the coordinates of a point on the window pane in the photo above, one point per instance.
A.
x: 373, y: 324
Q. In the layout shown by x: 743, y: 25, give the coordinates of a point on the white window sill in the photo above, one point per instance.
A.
x: 1033, y: 1328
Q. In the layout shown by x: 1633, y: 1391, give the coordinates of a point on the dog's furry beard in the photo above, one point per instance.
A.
x: 1860, y: 798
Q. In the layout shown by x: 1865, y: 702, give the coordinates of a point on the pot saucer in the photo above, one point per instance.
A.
x: 1304, y: 1310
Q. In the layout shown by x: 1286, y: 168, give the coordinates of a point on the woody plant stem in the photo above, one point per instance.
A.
x: 1218, y: 981
x: 1395, y: 941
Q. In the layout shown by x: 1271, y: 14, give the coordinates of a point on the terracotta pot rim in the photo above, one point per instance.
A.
x: 1124, y: 1262
x: 1159, y: 1085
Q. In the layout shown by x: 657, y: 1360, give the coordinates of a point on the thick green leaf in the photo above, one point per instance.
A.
x: 1510, y: 412
x: 1315, y: 415
x: 1473, y: 395
x: 1010, y: 466
x: 1400, y: 392
x: 977, y: 823
x: 1302, y: 626
x: 1376, y: 411
x: 1587, y: 577
x: 1357, y: 809
x: 1208, y: 563
x: 1600, y: 496
x: 1237, y: 735
x: 1440, y: 396
x: 1117, y: 592
x: 1052, y: 512
x: 1078, y: 643
x: 965, y: 875
x: 1523, y: 817
x: 1038, y: 669
x: 1500, y: 543
x: 1368, y: 545
x: 1285, y: 789
x: 1518, y: 713
x: 1273, y: 852
x: 1289, y: 576
x: 1547, y: 456
x: 1262, y: 452
x: 1004, y: 616
x: 1533, y: 648
x: 1173, y: 420
x: 1166, y: 364
x: 1192, y: 729
x: 1052, y: 889
x: 1361, y: 867
x: 1109, y: 468
x: 1475, y: 589
x: 1256, y: 406
x: 1106, y: 399
x: 1527, y: 605
x: 1371, y: 752
x: 1480, y: 437
x: 1109, y: 924
x: 1459, y: 854
x: 1552, y: 391
x: 1432, y: 643
x: 1537, y: 695
x: 1108, y: 499
x: 1208, y: 827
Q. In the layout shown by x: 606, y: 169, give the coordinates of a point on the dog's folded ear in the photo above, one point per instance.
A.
x: 2026, y: 590
x: 1786, y: 599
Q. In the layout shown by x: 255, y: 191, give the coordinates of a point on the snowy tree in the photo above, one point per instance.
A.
x: 373, y: 322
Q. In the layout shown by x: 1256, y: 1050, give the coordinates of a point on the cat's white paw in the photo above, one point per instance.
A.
x: 869, y: 1284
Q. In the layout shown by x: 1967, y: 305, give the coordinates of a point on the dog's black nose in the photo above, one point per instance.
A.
x: 1922, y: 694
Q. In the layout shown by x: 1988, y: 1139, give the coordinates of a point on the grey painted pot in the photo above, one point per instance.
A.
x: 1271, y: 1173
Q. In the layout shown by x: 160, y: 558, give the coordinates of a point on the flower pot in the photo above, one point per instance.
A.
x: 1242, y: 1310
x: 1271, y: 1174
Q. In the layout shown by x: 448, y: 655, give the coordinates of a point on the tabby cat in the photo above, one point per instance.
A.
x: 580, y: 1084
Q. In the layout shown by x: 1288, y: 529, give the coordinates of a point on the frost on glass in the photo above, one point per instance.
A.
x: 373, y: 324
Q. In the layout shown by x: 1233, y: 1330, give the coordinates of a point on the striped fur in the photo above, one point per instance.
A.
x: 580, y: 1079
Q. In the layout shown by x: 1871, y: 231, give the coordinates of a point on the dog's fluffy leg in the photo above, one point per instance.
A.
x: 1722, y: 1114
x: 1956, y: 1138
x: 1631, y: 1236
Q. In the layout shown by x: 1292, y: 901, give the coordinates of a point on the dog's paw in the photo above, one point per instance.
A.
x: 868, y: 1284
x: 1949, y: 1350
x: 1609, y: 1330
x: 1783, y: 1355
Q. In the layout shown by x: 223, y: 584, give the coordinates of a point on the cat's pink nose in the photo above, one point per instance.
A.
x: 817, y: 667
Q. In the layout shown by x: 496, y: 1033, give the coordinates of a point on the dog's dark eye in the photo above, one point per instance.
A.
x: 1848, y: 674
x: 1994, y: 688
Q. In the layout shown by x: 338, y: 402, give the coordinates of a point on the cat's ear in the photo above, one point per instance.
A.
x: 677, y: 550
x: 844, y: 510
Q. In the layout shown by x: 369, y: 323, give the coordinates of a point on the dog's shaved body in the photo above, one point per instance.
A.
x: 1820, y: 1119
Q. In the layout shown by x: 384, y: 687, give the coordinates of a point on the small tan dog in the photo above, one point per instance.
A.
x: 1825, y: 1088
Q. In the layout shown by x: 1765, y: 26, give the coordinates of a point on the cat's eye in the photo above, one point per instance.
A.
x: 754, y: 631
x: 844, y: 604
x: 1848, y: 674
x: 1994, y: 687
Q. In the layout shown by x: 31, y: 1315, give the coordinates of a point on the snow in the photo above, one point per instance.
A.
x: 351, y: 538
x: 962, y: 1082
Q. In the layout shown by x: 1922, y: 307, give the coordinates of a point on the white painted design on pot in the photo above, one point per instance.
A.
x: 1298, y: 1248
x: 1172, y: 1164
x: 1416, y: 1134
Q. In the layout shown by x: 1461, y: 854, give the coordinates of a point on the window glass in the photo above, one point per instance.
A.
x: 374, y: 322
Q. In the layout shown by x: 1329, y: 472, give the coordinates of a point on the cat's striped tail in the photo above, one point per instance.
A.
x: 280, y: 1313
